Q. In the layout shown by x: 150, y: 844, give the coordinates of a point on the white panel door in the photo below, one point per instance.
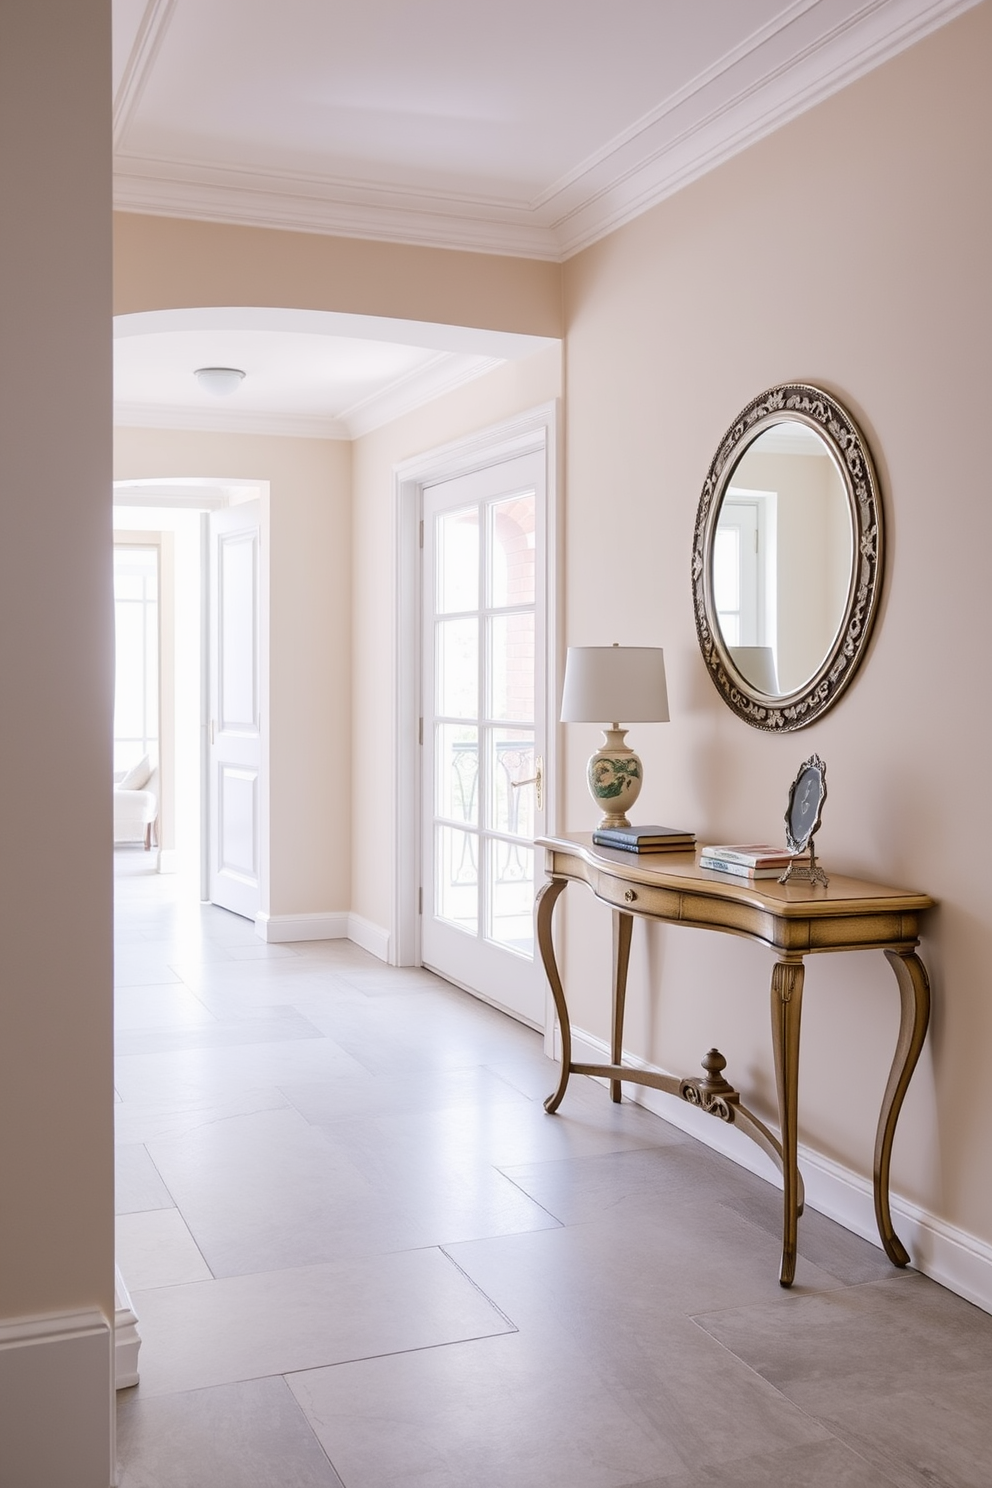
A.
x: 235, y: 752
x: 484, y: 730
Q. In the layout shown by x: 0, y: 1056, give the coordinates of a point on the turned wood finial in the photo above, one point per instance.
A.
x: 714, y: 1064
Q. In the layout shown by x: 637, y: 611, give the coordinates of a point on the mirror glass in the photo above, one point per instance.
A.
x: 782, y: 558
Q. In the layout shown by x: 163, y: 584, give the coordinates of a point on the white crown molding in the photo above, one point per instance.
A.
x: 150, y: 35
x: 813, y: 49
x: 951, y: 1256
x: 217, y: 193
x: 758, y: 92
x: 226, y: 421
x: 442, y: 374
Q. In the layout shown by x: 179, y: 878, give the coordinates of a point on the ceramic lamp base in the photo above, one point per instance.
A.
x: 614, y: 775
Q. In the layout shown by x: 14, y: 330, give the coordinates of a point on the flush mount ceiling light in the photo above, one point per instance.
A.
x: 220, y: 382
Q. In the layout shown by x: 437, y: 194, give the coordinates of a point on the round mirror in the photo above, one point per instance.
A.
x: 787, y: 557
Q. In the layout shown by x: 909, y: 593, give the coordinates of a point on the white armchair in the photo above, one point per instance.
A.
x: 136, y: 804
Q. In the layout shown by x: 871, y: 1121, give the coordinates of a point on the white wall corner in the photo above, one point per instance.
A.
x: 57, y: 1401
x: 371, y: 937
x: 168, y: 860
x: 950, y: 1256
x: 328, y: 924
x: 127, y: 1339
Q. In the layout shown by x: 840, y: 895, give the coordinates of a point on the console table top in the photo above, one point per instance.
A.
x: 673, y: 887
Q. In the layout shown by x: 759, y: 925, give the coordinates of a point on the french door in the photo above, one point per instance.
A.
x: 484, y: 729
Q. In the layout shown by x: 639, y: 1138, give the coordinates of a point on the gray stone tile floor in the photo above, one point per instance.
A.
x: 361, y: 1254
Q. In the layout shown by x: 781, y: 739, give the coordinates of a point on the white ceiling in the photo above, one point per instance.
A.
x: 526, y: 127
x: 307, y: 373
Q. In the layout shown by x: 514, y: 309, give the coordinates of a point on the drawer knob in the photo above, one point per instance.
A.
x: 629, y: 895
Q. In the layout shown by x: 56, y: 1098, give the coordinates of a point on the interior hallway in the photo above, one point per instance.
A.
x: 362, y: 1254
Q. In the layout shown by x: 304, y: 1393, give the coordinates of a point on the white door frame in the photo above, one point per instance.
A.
x: 535, y: 430
x: 205, y: 494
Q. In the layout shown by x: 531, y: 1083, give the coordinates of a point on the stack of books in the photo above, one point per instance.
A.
x: 748, y: 860
x: 645, y: 839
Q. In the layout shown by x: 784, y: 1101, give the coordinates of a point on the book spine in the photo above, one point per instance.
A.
x: 740, y: 870
x: 748, y: 860
x: 607, y: 839
x: 647, y: 849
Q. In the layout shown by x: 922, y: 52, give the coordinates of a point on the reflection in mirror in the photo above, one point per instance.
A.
x: 787, y: 557
x: 782, y: 558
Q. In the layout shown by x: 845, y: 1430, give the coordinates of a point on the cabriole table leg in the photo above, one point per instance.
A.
x: 546, y: 900
x: 623, y: 924
x: 914, y: 1009
x: 787, y: 1001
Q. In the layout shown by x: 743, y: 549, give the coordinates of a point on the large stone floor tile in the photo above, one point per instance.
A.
x: 876, y: 1339
x: 155, y: 1249
x: 822, y: 1464
x: 503, y: 1132
x: 159, y: 1009
x: 269, y: 1191
x: 133, y: 968
x: 142, y: 1120
x: 244, y: 1327
x: 247, y: 1435
x: 532, y: 1411
x: 618, y: 1285
x: 937, y: 1433
x: 372, y: 1097
x: 191, y: 1074
x: 138, y: 1183
x: 642, y: 1182
x: 827, y: 1244
x: 496, y: 1413
x: 281, y: 1024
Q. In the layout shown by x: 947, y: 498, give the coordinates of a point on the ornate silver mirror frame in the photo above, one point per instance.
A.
x: 792, y: 403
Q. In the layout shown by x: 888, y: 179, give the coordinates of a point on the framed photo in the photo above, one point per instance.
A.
x: 806, y: 798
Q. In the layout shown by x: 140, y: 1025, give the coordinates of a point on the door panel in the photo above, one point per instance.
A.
x: 235, y: 727
x: 484, y: 729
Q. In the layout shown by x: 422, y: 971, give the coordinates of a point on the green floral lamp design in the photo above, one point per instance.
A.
x: 604, y: 684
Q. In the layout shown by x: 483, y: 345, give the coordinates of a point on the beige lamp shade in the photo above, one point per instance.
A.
x: 614, y: 684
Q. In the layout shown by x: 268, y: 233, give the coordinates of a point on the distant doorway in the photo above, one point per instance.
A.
x: 208, y: 708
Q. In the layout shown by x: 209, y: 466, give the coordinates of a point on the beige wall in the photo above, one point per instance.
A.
x: 56, y: 668
x: 511, y: 389
x: 164, y: 263
x: 852, y: 248
x: 309, y: 640
x: 56, y: 650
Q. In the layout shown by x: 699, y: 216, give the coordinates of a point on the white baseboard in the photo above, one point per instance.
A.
x: 331, y: 924
x: 127, y: 1339
x: 950, y: 1256
x: 168, y: 860
x: 57, y: 1401
x: 371, y: 937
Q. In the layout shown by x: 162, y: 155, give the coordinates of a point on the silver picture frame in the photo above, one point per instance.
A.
x: 802, y: 820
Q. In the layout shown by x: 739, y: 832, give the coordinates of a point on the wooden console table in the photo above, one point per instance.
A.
x: 792, y: 921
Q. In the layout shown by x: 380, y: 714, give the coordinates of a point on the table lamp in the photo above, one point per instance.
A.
x: 604, y: 684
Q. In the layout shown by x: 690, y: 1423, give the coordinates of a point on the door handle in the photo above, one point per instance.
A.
x: 537, y: 779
